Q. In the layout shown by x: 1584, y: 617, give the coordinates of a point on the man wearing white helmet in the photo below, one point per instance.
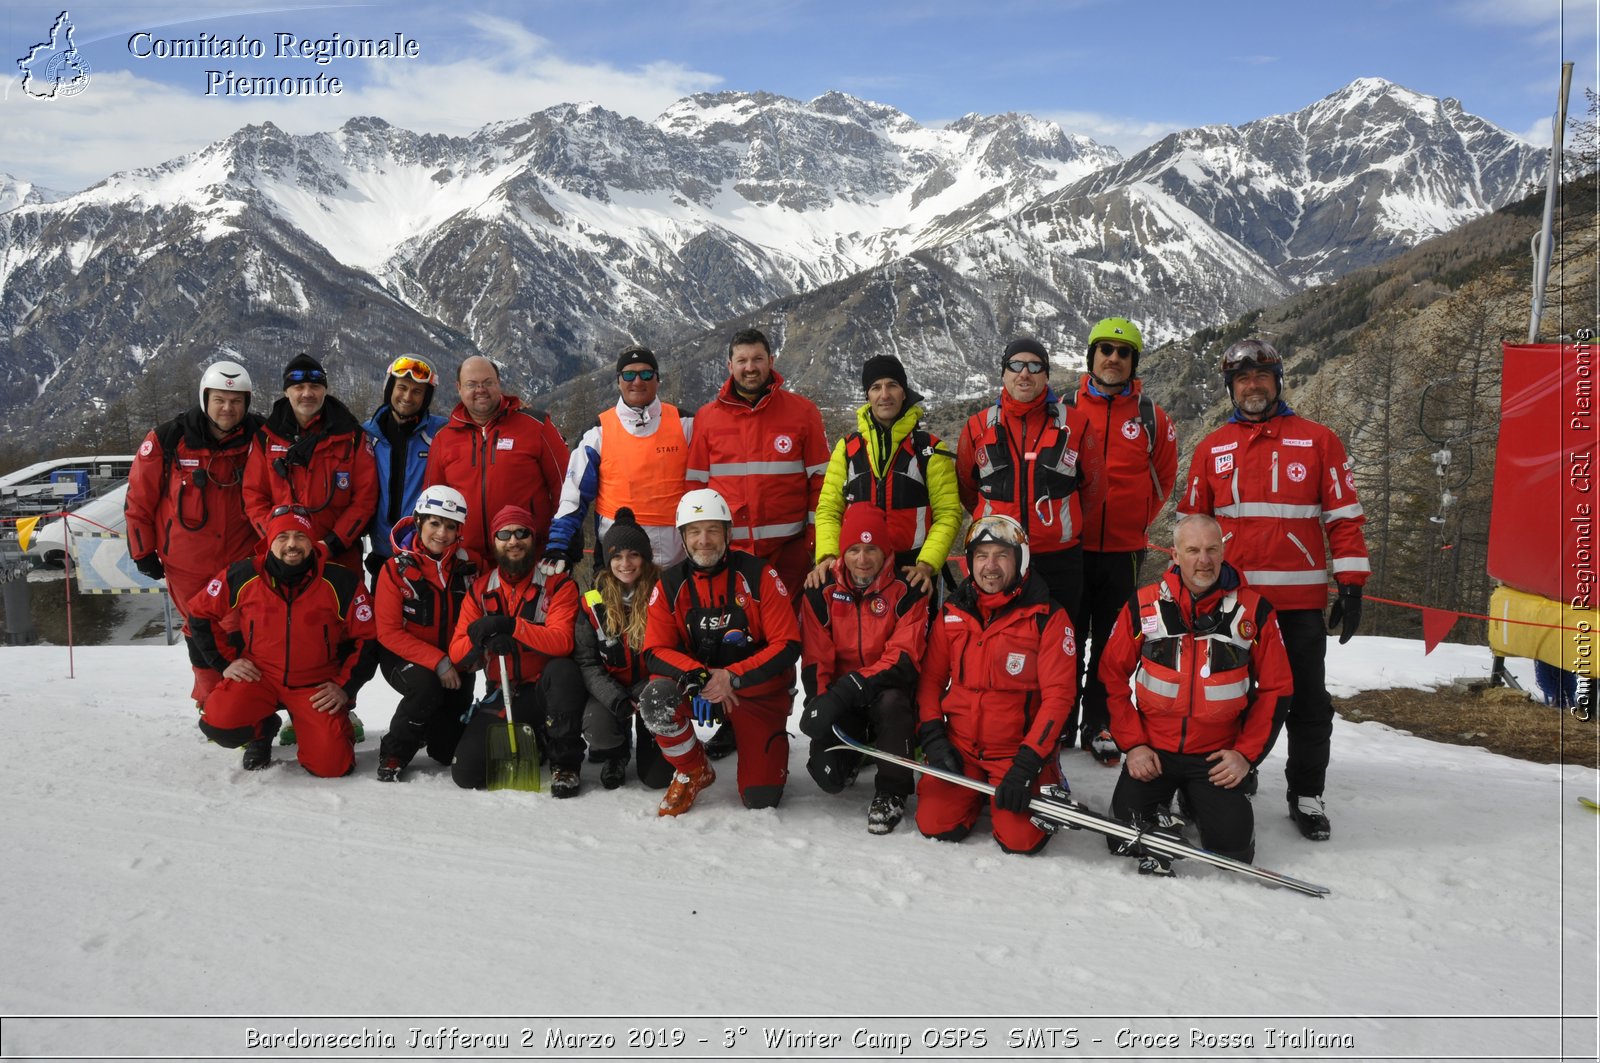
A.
x: 419, y: 594
x: 721, y: 641
x: 185, y: 507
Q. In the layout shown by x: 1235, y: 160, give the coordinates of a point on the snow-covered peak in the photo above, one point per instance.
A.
x: 15, y: 192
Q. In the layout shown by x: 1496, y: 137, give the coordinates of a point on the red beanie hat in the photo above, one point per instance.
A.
x: 864, y: 523
x: 512, y: 516
x: 290, y: 521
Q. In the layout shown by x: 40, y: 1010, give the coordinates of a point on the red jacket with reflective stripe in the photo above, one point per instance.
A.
x: 1274, y: 485
x: 1035, y: 466
x: 877, y: 636
x: 1004, y: 682
x: 1139, y: 471
x: 693, y: 613
x: 544, y: 616
x: 419, y: 598
x: 1195, y: 693
x: 767, y: 461
x: 518, y: 458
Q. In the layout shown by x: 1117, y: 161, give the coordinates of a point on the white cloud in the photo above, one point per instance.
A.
x: 1127, y: 135
x: 125, y: 120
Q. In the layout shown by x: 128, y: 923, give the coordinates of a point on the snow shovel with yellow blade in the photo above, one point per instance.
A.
x: 513, y: 752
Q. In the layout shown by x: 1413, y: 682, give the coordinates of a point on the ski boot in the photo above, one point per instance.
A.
x: 885, y: 813
x: 685, y: 788
x: 564, y: 782
x: 1311, y: 816
x: 1104, y: 749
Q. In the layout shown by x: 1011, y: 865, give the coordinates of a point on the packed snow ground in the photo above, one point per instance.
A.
x: 147, y: 874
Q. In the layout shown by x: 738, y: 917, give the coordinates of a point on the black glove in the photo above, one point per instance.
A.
x: 936, y: 747
x: 500, y: 645
x: 334, y: 544
x: 1345, y: 616
x: 486, y: 628
x: 821, y: 713
x: 150, y: 565
x: 1016, y: 787
x: 852, y: 690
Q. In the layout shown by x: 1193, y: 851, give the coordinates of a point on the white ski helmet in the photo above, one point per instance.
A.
x: 225, y: 376
x: 999, y: 528
x: 441, y: 501
x: 702, y: 504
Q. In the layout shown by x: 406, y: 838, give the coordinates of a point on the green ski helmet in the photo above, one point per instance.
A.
x: 1118, y: 330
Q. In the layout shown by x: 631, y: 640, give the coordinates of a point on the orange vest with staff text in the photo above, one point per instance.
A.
x: 644, y: 473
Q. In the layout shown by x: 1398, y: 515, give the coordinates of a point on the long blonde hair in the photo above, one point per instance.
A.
x: 627, y: 617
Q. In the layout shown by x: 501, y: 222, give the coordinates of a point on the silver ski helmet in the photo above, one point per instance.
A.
x: 440, y: 501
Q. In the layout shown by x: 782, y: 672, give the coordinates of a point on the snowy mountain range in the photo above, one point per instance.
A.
x: 843, y: 225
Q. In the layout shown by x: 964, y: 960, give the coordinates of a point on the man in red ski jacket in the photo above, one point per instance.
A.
x: 185, y: 504
x: 862, y: 638
x: 512, y: 619
x: 763, y: 449
x: 721, y: 640
x: 1134, y: 440
x: 497, y: 453
x: 1027, y: 457
x: 313, y: 453
x: 1276, y: 482
x: 1206, y: 656
x: 996, y: 689
x: 286, y: 627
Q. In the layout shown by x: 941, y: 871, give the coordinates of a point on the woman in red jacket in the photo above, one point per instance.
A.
x: 419, y: 594
x: 608, y: 646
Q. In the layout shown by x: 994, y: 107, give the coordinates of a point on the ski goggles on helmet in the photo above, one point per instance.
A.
x: 413, y: 367
x: 995, y: 528
x: 305, y: 376
x: 1250, y: 354
x: 284, y: 511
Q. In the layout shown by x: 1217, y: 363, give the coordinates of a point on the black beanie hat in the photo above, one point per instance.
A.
x: 625, y: 534
x: 880, y: 366
x: 1029, y: 345
x: 300, y: 363
x: 635, y: 353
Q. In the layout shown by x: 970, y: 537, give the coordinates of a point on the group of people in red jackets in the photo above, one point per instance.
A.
x: 738, y: 556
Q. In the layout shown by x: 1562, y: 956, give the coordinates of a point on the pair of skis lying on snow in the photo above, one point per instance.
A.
x: 1065, y: 813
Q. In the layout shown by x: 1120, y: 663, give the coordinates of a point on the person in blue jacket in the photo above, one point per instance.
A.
x: 403, y: 429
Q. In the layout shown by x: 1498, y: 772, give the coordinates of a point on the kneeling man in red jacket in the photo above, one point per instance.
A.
x: 1194, y: 670
x: 998, y: 683
x: 287, y: 628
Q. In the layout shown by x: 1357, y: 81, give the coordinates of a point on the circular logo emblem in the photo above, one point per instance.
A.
x: 364, y: 612
x: 1069, y: 645
x: 68, y: 72
x: 738, y: 599
x: 655, y: 593
x: 1130, y: 428
x: 866, y: 537
x: 783, y: 444
x: 781, y: 588
x: 879, y: 607
x: 145, y: 448
x: 1172, y: 430
x: 1297, y: 472
x: 1247, y: 629
x: 1350, y: 480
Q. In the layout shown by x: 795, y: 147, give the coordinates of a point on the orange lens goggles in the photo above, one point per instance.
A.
x: 415, y: 368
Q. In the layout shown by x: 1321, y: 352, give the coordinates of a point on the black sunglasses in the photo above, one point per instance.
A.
x: 630, y: 375
x: 1017, y: 365
x: 1114, y: 349
x: 306, y: 376
x: 283, y: 511
x: 505, y: 535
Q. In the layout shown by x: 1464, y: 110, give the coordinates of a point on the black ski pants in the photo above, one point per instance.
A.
x: 889, y: 722
x: 428, y: 715
x: 1310, y: 720
x: 1062, y: 572
x: 1227, y: 822
x: 1109, y: 580
x: 553, y: 704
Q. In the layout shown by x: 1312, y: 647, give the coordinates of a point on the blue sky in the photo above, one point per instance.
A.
x: 1124, y: 73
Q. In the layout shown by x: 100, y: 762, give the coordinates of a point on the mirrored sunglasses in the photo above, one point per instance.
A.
x: 283, y: 511
x: 1018, y: 365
